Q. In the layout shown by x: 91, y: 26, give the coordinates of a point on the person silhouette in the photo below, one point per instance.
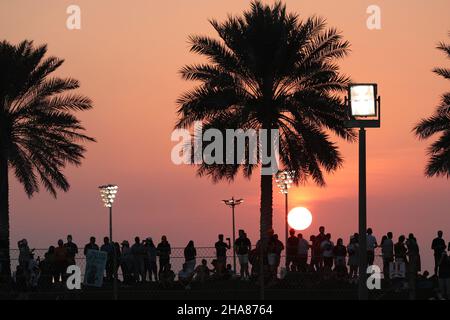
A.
x: 166, y: 275
x: 163, y: 250
x: 371, y: 245
x: 326, y: 248
x: 139, y: 254
x: 302, y: 253
x: 126, y: 262
x: 202, y: 271
x: 444, y: 275
x: 190, y: 254
x: 274, y: 249
x: 438, y: 246
x: 387, y: 252
x: 339, y: 253
x: 243, y: 246
x: 353, y: 258
x: 151, y: 254
x: 72, y: 250
x: 47, y: 267
x: 318, y: 246
x: 108, y: 247
x: 221, y: 254
x: 413, y: 255
x: 291, y: 251
x: 400, y: 250
x: 61, y: 261
x: 90, y: 246
x: 185, y: 276
x: 315, y: 254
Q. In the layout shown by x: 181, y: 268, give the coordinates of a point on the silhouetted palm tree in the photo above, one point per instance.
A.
x: 271, y: 70
x: 39, y: 134
x: 438, y: 123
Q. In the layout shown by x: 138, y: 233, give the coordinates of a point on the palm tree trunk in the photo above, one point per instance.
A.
x: 5, y: 260
x: 266, y: 207
x: 266, y: 202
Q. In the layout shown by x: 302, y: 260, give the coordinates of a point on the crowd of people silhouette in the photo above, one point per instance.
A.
x: 320, y: 255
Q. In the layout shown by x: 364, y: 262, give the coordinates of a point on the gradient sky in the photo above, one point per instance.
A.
x: 126, y: 57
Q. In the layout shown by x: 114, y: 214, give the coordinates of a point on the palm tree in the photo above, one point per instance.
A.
x: 270, y: 70
x: 39, y: 134
x: 438, y: 123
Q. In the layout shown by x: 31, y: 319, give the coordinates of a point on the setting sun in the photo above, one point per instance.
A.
x: 299, y: 218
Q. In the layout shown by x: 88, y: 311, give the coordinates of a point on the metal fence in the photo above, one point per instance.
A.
x: 176, y: 258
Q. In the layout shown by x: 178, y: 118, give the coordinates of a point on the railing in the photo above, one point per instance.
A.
x: 176, y: 257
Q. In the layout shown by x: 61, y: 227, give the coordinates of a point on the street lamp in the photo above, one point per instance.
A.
x: 363, y: 100
x: 108, y: 194
x: 233, y: 203
x: 364, y: 107
x: 284, y: 182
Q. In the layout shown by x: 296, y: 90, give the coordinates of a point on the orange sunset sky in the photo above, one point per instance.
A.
x: 127, y: 55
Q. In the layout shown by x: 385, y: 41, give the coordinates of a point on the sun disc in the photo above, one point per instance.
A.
x: 299, y: 218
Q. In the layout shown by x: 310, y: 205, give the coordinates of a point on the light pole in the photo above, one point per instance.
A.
x: 364, y: 107
x: 233, y: 203
x: 108, y: 194
x: 284, y: 182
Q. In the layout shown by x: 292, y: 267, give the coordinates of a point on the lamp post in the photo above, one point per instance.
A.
x: 364, y: 108
x: 108, y: 194
x: 284, y: 182
x: 233, y: 203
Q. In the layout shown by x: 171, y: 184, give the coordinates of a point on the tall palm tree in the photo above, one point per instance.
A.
x: 438, y: 123
x: 39, y: 134
x: 270, y: 70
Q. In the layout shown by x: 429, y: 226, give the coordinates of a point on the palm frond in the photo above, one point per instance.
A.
x: 270, y: 69
x: 443, y: 72
x: 438, y: 123
x: 41, y: 134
